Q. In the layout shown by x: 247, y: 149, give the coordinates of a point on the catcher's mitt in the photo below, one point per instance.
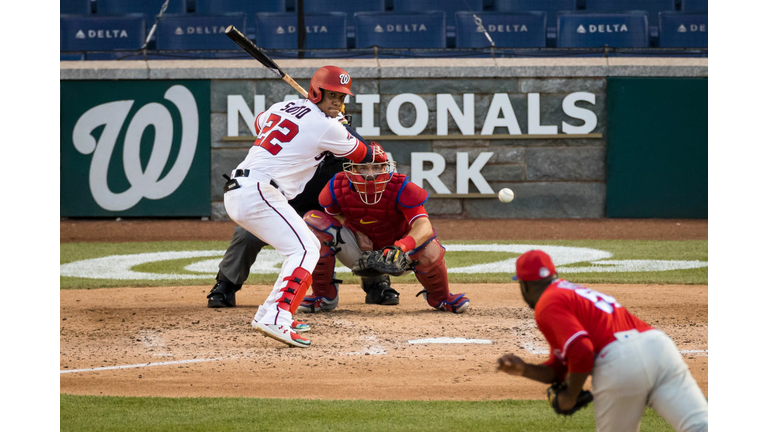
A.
x: 585, y: 397
x: 391, y: 260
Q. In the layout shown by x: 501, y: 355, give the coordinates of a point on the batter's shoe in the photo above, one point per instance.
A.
x: 456, y: 303
x: 223, y: 294
x: 378, y: 291
x: 282, y: 334
x: 300, y: 327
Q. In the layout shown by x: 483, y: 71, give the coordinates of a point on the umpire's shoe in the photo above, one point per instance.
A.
x: 378, y: 291
x: 223, y: 294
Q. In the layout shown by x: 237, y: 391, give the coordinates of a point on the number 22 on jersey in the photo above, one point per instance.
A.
x: 276, y: 132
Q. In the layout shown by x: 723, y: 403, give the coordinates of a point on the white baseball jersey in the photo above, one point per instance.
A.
x: 292, y: 136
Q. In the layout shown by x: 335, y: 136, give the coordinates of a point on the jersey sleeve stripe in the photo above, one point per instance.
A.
x: 571, y: 339
x: 416, y: 217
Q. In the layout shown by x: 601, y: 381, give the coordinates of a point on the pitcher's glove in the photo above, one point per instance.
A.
x: 584, y: 398
x: 391, y: 261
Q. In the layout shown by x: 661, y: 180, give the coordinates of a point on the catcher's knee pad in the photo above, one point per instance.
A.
x: 326, y: 228
x: 295, y: 288
x: 430, y: 256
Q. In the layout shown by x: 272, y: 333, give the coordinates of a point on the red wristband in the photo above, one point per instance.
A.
x: 406, y: 243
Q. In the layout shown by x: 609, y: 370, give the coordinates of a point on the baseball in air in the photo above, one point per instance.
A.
x: 506, y: 195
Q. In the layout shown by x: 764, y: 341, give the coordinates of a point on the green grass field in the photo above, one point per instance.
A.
x: 100, y: 413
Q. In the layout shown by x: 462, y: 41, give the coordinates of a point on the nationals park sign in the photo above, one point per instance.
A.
x: 135, y: 148
x: 500, y: 117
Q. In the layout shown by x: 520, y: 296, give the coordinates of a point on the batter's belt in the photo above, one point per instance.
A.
x: 232, y: 183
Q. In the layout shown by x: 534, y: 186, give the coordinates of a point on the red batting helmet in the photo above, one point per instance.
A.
x: 329, y: 78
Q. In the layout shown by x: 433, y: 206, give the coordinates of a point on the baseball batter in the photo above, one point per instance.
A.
x: 632, y: 364
x: 382, y: 210
x: 291, y: 140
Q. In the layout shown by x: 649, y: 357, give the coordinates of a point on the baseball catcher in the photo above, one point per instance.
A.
x: 376, y: 224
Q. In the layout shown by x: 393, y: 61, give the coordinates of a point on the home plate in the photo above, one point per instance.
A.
x: 444, y: 340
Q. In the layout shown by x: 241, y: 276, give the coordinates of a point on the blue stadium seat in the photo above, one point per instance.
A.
x: 580, y: 30
x: 653, y: 7
x: 92, y: 33
x: 400, y: 30
x: 150, y: 8
x: 249, y: 7
x: 551, y: 7
x: 192, y: 32
x: 521, y: 30
x: 694, y: 6
x: 450, y: 7
x: 278, y: 31
x: 321, y: 6
x: 682, y: 30
x: 350, y: 8
x: 74, y: 7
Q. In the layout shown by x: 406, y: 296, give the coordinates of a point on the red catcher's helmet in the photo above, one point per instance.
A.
x: 370, y: 179
x: 329, y: 78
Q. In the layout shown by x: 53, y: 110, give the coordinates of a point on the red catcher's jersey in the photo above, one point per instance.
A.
x: 384, y: 222
x: 566, y: 312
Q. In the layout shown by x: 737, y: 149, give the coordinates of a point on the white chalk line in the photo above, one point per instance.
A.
x: 140, y: 365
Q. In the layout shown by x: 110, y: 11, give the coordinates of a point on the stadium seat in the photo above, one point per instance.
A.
x: 513, y: 30
x: 682, y: 30
x: 192, y: 32
x: 92, y: 33
x: 551, y: 7
x: 580, y: 30
x: 350, y: 8
x: 278, y: 31
x: 652, y: 7
x: 249, y: 7
x: 150, y: 8
x: 74, y: 7
x: 400, y: 30
x: 450, y: 7
x: 694, y: 6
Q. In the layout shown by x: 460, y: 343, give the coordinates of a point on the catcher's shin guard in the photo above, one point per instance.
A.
x: 378, y: 291
x: 325, y: 289
x: 432, y: 273
x: 295, y: 288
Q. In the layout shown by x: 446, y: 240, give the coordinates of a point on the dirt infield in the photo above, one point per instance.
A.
x: 358, y: 351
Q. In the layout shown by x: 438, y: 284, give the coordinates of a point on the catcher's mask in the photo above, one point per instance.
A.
x: 370, y: 179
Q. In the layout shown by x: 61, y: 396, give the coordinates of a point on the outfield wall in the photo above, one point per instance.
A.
x: 462, y: 128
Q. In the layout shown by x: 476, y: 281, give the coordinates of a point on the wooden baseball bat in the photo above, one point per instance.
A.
x: 248, y: 46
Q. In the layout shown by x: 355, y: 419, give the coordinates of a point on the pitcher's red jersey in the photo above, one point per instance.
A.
x: 566, y: 312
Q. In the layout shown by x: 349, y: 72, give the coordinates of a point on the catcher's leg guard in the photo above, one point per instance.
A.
x: 293, y: 291
x: 378, y: 291
x: 432, y: 273
x: 223, y: 293
x: 326, y: 228
x: 325, y: 289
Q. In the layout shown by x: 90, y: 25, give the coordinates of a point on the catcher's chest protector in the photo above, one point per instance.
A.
x: 382, y: 222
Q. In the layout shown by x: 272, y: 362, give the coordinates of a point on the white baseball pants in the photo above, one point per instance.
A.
x: 261, y: 209
x: 645, y: 369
